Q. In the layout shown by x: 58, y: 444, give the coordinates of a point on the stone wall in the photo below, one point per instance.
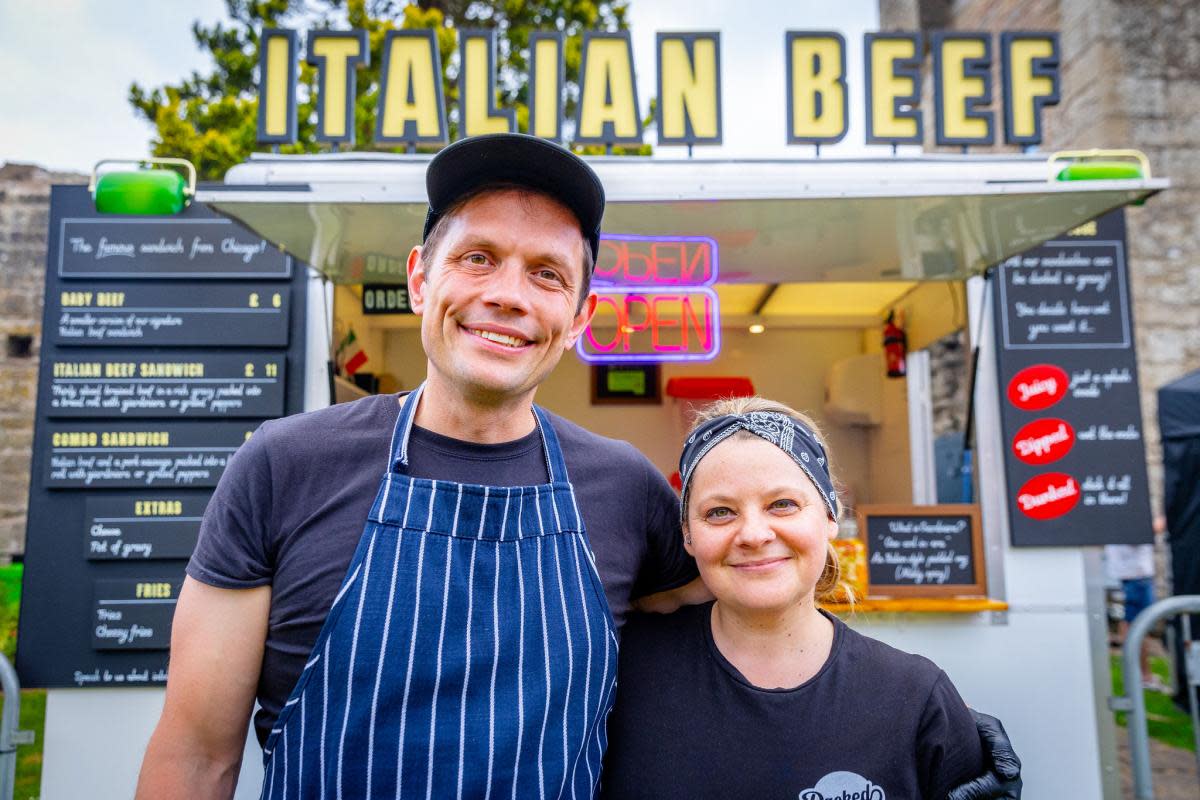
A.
x: 24, y: 217
x: 1130, y: 78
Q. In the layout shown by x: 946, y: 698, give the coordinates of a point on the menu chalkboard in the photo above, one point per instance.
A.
x: 167, y: 342
x: 133, y: 614
x: 142, y: 248
x: 147, y: 526
x: 235, y: 384
x: 922, y: 551
x: 180, y: 314
x: 99, y: 455
x: 1071, y: 413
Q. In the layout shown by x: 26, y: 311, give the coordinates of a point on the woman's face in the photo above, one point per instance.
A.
x: 758, y: 528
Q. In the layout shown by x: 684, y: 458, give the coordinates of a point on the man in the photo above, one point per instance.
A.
x: 423, y: 595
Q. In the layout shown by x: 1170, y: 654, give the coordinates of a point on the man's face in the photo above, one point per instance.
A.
x: 499, y: 294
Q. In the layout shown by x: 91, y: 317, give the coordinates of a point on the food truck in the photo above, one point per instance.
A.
x: 819, y: 282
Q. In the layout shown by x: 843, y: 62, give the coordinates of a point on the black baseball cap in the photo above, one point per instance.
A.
x: 471, y: 163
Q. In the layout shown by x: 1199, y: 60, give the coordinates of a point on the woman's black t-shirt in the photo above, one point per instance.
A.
x: 874, y: 724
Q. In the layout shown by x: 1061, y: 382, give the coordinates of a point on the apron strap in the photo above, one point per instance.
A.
x: 556, y: 466
x: 404, y: 423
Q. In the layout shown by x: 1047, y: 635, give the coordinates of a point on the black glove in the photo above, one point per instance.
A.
x: 1003, y: 780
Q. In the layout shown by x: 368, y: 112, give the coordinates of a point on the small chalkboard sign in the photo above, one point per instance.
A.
x: 614, y: 384
x: 923, y: 551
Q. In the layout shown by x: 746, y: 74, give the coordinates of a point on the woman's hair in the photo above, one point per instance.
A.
x: 827, y: 584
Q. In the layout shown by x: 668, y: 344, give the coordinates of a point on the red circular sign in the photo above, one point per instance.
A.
x: 1037, y: 387
x: 1048, y: 495
x: 1043, y: 440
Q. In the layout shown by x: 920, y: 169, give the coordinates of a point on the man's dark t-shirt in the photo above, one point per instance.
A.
x: 874, y: 723
x: 292, y: 503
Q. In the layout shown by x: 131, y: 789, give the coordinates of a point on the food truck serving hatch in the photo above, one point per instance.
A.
x: 775, y: 221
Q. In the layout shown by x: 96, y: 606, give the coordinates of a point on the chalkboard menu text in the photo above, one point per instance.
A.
x: 133, y: 614
x: 148, y: 526
x: 175, y: 248
x: 923, y: 551
x: 1070, y: 410
x: 99, y: 455
x: 167, y: 341
x: 233, y: 384
x: 145, y: 315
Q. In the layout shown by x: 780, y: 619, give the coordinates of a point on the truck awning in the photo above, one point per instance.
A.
x: 895, y: 220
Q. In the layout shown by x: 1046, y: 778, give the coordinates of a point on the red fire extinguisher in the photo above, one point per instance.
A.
x: 895, y: 347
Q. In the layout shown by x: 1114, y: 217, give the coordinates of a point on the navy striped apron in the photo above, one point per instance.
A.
x: 470, y: 652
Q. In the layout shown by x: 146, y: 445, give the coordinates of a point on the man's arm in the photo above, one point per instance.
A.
x: 217, y: 643
x: 1003, y: 780
x: 692, y: 593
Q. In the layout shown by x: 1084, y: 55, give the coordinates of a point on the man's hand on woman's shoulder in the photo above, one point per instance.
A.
x: 1003, y: 780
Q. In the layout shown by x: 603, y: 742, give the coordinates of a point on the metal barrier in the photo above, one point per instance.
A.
x: 10, y: 720
x: 1135, y: 703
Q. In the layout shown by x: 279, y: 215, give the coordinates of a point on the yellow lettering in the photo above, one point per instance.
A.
x: 545, y: 85
x: 73, y: 439
x: 410, y: 103
x: 191, y: 369
x: 608, y: 109
x: 1030, y: 75
x: 135, y: 439
x: 69, y: 369
x: 962, y: 86
x: 75, y: 299
x: 336, y: 56
x: 110, y: 299
x: 153, y: 591
x: 893, y: 87
x: 817, y: 87
x: 277, y: 86
x: 158, y: 508
x: 689, y: 102
x: 120, y: 369
x: 477, y: 85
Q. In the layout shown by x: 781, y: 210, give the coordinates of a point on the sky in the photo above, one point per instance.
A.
x: 66, y: 67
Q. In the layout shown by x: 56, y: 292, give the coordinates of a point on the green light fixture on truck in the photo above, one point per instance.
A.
x: 1100, y: 165
x: 155, y: 187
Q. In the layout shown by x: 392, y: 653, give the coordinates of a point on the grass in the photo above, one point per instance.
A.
x: 33, y: 701
x: 1165, y: 722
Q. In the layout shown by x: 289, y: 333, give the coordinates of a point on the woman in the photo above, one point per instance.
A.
x: 761, y: 694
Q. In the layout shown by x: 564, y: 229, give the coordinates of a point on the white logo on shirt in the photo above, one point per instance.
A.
x: 843, y: 786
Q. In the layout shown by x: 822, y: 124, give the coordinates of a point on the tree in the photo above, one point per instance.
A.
x: 211, y: 119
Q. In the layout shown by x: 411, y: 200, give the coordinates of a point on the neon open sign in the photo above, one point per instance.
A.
x: 645, y: 261
x: 654, y: 301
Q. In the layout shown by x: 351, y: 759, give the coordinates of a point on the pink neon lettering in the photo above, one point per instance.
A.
x: 660, y: 262
x: 618, y: 309
x: 702, y: 324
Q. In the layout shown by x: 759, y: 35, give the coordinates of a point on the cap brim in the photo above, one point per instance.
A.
x: 469, y: 164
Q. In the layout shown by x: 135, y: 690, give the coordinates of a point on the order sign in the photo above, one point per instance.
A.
x: 1071, y: 416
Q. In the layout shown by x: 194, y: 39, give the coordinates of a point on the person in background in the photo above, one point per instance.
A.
x: 1133, y: 566
x: 761, y: 693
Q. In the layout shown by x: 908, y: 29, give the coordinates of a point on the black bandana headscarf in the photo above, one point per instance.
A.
x: 788, y: 434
